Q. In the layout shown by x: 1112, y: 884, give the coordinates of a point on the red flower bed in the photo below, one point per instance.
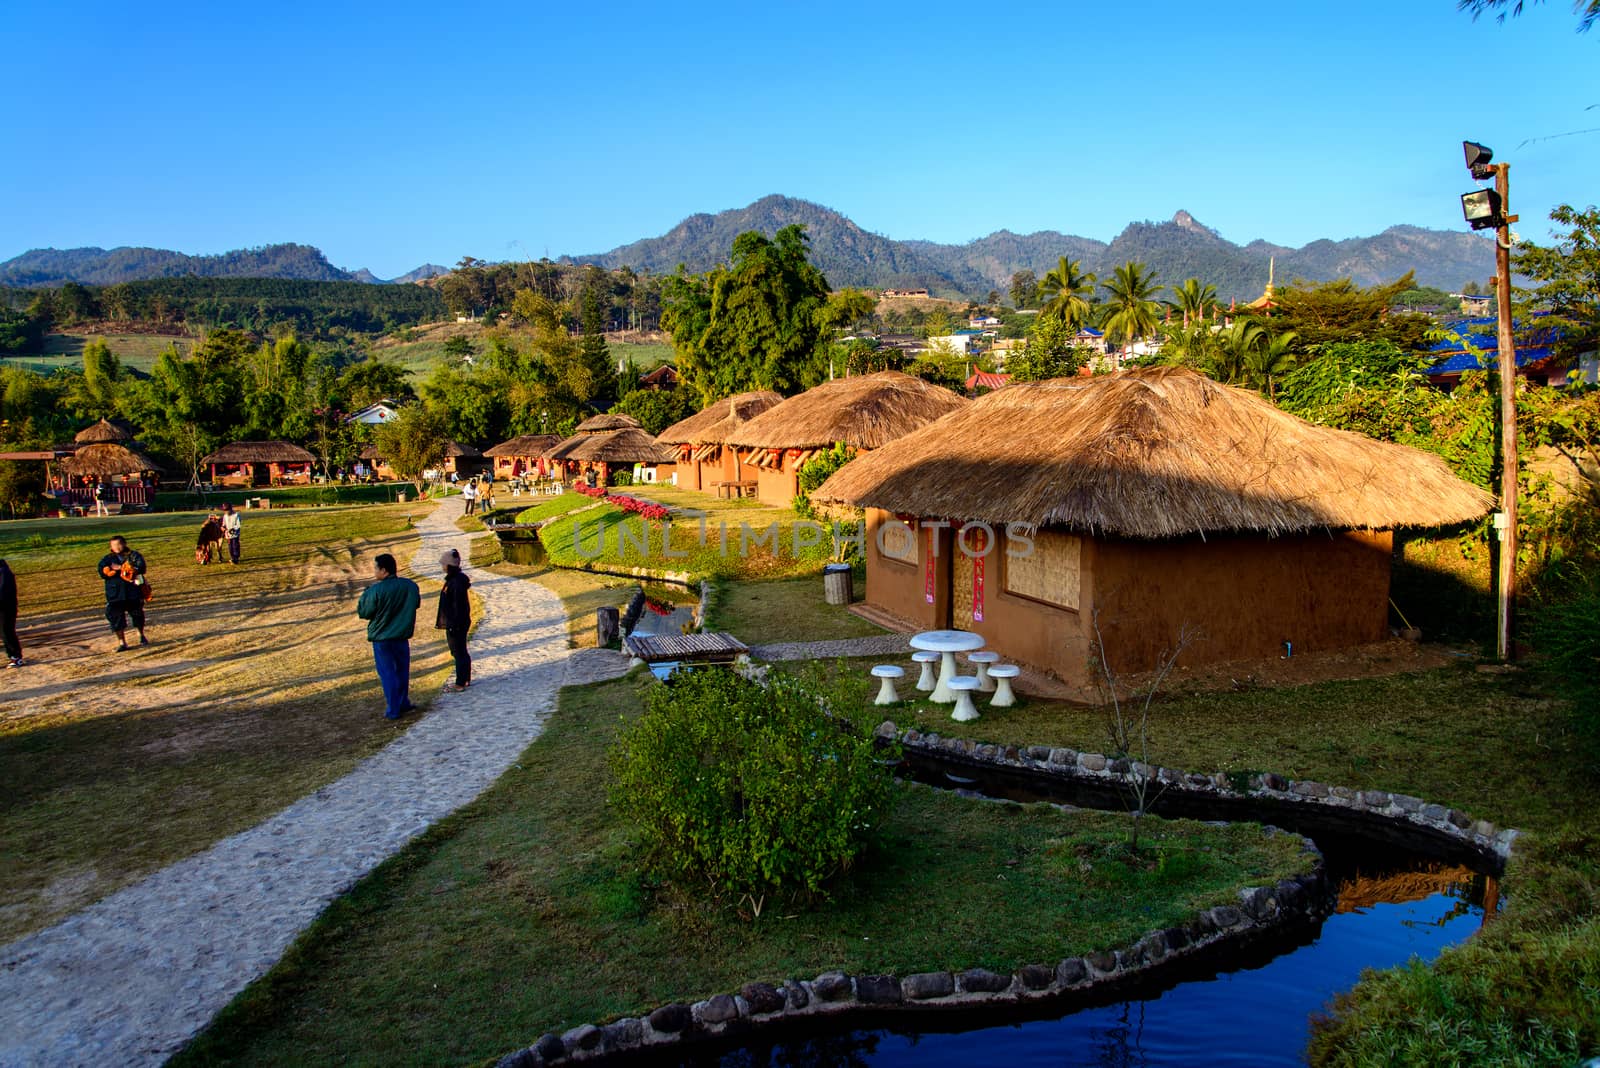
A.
x: 656, y: 513
x: 591, y: 491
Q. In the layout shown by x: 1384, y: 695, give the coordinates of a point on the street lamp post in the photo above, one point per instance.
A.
x: 1491, y: 208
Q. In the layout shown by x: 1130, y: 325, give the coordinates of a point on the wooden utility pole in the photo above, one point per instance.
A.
x: 1506, y: 521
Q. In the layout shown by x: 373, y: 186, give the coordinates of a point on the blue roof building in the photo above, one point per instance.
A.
x: 1468, y: 338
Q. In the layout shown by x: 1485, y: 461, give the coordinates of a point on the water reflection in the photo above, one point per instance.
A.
x: 1258, y: 1014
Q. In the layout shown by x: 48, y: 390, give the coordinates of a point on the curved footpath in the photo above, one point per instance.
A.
x: 132, y: 977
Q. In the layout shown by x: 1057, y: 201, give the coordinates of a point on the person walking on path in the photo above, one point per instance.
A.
x: 122, y: 569
x: 455, y: 617
x: 8, y: 616
x: 231, y: 524
x: 389, y: 606
x: 469, y: 493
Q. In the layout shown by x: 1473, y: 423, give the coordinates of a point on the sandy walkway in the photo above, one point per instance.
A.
x: 129, y: 979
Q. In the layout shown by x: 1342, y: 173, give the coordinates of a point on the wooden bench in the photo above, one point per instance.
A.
x: 712, y: 648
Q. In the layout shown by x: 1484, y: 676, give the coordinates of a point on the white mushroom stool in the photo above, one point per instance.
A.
x: 983, y: 659
x: 962, y: 686
x: 1002, y: 674
x: 925, y: 681
x: 887, y: 694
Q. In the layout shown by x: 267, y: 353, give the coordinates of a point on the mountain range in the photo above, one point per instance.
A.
x: 104, y: 267
x: 1178, y: 248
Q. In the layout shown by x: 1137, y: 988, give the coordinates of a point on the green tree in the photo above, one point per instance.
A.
x: 657, y: 409
x: 1195, y: 300
x: 1024, y: 288
x: 413, y: 441
x: 1052, y: 352
x: 754, y: 324
x: 191, y: 405
x: 1133, y: 311
x: 1568, y: 277
x: 1068, y: 290
x: 1324, y: 313
x: 1588, y: 11
x: 460, y: 348
x: 96, y: 392
x: 373, y: 380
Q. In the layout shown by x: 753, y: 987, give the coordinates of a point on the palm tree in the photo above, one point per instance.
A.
x: 1235, y: 350
x: 1068, y: 289
x: 1133, y: 307
x: 1196, y: 300
x: 1269, y: 359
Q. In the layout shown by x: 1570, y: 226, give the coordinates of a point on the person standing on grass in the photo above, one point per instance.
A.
x: 455, y: 617
x: 389, y: 606
x: 100, y: 498
x: 469, y: 493
x: 122, y: 569
x: 8, y: 616
x: 231, y: 524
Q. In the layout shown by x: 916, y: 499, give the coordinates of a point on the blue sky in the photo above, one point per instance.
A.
x: 395, y: 134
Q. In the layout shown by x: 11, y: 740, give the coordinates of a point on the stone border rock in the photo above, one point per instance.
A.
x: 1047, y: 765
x: 1261, y: 911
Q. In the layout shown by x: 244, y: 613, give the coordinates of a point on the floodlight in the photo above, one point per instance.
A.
x: 1478, y: 157
x: 1481, y: 208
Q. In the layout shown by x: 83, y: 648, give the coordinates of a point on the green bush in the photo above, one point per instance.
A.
x: 754, y: 790
x: 815, y: 471
x: 620, y: 478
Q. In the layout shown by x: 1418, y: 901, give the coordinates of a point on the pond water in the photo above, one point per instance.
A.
x: 523, y: 551
x: 1255, y: 1012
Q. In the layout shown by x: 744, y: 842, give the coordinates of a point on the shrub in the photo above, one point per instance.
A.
x: 755, y: 790
x: 815, y: 471
x: 621, y: 478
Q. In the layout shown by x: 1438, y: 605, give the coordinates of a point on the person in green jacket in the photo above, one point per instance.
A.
x: 390, y: 608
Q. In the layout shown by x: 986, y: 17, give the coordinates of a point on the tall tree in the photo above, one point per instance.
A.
x: 1195, y: 300
x: 1271, y: 359
x: 1068, y: 290
x: 1024, y: 288
x: 413, y: 441
x: 1568, y: 277
x: 1133, y: 309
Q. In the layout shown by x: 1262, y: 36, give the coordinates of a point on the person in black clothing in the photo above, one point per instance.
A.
x: 455, y: 617
x: 8, y: 616
x: 123, y: 571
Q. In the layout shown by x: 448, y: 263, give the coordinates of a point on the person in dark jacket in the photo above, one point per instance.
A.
x: 455, y: 617
x: 123, y: 571
x: 390, y: 608
x: 8, y: 616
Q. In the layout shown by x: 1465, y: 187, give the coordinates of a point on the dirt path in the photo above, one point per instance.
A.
x: 130, y: 978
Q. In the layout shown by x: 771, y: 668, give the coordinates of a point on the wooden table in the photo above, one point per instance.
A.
x: 736, y: 488
x: 948, y: 643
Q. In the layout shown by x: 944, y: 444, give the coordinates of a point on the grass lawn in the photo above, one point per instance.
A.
x: 748, y: 552
x: 138, y: 351
x: 181, y: 500
x: 526, y: 912
x: 256, y: 689
x: 783, y: 610
x: 425, y: 350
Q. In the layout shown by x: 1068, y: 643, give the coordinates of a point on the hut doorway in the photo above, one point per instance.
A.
x: 968, y: 566
x: 259, y: 475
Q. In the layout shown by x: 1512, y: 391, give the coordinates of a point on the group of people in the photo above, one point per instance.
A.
x: 478, y: 495
x: 390, y: 606
x: 219, y: 527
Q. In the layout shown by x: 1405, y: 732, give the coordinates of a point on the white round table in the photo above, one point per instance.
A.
x: 949, y: 643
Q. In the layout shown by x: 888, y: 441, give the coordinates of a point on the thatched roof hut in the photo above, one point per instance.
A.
x: 103, y: 431
x: 866, y: 412
x: 456, y: 450
x: 628, y: 445
x: 1157, y: 453
x: 525, y: 445
x: 107, y: 459
x: 712, y: 424
x: 606, y: 421
x: 259, y: 452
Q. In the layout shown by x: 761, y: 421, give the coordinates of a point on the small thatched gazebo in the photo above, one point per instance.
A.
x: 521, y: 455
x: 104, y: 460
x: 865, y: 412
x: 259, y: 463
x: 604, y: 443
x: 702, y: 459
x: 1149, y: 505
x: 103, y: 431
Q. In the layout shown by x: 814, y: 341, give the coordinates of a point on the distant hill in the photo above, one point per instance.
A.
x: 42, y: 267
x: 1177, y: 249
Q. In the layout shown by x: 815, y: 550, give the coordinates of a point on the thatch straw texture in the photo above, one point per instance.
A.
x: 103, y: 431
x: 460, y: 451
x: 866, y: 412
x: 712, y: 424
x: 105, y: 459
x: 628, y: 445
x: 606, y: 421
x: 526, y: 445
x: 1151, y: 454
x: 259, y: 452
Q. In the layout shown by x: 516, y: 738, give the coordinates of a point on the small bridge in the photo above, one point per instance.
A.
x: 714, y: 648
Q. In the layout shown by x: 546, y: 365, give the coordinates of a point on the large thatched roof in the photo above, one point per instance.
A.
x: 105, y: 459
x: 1151, y: 454
x: 867, y: 412
x: 259, y: 452
x: 626, y: 445
x: 712, y: 424
x: 526, y: 445
x: 460, y: 451
x: 103, y: 431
